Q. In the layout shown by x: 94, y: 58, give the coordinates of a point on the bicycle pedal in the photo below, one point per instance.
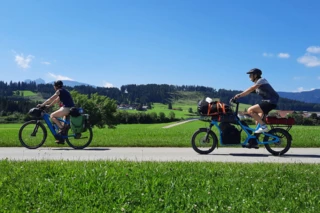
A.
x: 250, y: 147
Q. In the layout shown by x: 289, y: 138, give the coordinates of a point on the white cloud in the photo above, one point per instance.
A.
x: 23, y: 62
x: 59, y: 77
x: 269, y: 55
x: 283, y: 55
x: 297, y: 78
x: 45, y: 63
x: 107, y: 84
x: 313, y: 49
x: 309, y: 60
x: 301, y: 89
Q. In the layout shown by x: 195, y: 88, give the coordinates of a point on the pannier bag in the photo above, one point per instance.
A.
x: 79, y: 124
x: 229, y: 117
x: 35, y: 112
x: 74, y: 112
x: 276, y: 120
x: 213, y: 108
x: 230, y: 134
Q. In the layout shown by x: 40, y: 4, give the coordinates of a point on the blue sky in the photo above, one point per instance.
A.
x: 181, y: 42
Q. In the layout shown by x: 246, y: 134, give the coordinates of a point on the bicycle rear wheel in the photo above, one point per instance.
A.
x: 32, y: 134
x: 203, y: 142
x: 280, y: 147
x: 81, y: 140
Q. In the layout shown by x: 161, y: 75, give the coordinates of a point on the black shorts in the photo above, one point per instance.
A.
x: 267, y: 107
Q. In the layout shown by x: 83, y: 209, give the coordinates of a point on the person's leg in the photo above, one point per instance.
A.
x: 256, y: 113
x: 58, y: 114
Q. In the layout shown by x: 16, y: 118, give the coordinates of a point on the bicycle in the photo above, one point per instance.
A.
x: 33, y: 133
x: 277, y: 141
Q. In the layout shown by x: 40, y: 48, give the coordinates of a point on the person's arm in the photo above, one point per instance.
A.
x: 51, y: 99
x: 54, y: 101
x: 247, y: 91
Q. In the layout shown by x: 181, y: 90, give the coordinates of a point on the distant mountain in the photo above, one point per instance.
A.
x: 312, y: 96
x: 73, y: 83
x: 65, y: 82
x: 38, y: 81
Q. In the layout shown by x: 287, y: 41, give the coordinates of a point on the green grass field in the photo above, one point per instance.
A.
x: 120, y: 186
x: 26, y: 93
x: 153, y: 135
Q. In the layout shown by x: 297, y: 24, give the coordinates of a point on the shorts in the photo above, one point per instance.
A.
x: 65, y: 110
x: 266, y: 107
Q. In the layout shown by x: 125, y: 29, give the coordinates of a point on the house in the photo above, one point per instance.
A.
x: 284, y: 113
x: 308, y: 114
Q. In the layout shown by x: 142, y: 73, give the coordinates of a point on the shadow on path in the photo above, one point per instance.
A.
x: 244, y: 155
x: 85, y: 149
x: 270, y: 155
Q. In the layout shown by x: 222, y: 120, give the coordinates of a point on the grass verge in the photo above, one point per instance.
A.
x: 120, y: 186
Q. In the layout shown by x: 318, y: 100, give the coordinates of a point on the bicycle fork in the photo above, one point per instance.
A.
x: 35, y: 130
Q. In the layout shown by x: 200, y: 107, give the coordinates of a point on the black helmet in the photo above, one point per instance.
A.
x: 58, y: 83
x: 255, y: 71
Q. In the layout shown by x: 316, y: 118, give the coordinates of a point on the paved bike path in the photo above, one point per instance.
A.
x: 294, y: 155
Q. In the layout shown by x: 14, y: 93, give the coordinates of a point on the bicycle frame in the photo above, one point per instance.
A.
x: 46, y: 118
x: 247, y: 130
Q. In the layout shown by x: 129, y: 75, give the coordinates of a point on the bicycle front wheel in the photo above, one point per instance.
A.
x: 203, y: 142
x: 32, y: 134
x: 280, y: 147
x: 80, y: 140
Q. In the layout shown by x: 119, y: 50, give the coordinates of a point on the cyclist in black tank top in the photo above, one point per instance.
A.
x: 63, y: 97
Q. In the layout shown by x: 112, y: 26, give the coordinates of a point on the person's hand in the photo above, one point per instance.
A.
x: 237, y: 96
x: 39, y: 105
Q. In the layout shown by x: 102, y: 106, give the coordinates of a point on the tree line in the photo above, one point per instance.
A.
x: 134, y: 94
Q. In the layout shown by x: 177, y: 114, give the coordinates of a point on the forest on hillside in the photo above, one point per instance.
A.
x: 11, y: 101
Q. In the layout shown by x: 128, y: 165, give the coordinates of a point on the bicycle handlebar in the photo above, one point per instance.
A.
x: 233, y: 100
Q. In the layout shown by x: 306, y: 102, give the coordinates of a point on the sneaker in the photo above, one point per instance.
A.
x: 262, y: 129
x: 59, y: 139
x: 63, y: 131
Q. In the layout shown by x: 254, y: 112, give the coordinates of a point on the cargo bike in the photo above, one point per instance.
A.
x: 229, y: 127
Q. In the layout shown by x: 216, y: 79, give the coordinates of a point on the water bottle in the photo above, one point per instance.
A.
x: 80, y: 110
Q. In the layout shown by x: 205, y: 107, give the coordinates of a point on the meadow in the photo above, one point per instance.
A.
x: 154, y: 135
x: 119, y: 186
x: 181, y: 107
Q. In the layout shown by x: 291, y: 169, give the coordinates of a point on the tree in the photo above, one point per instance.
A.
x: 172, y: 116
x: 101, y: 109
x: 162, y: 116
x: 314, y: 116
